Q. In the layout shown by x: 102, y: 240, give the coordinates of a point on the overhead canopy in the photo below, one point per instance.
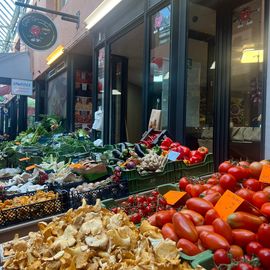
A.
x: 15, y: 66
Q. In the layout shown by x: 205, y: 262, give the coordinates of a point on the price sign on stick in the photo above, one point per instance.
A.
x: 173, y: 196
x: 227, y: 204
x: 265, y: 174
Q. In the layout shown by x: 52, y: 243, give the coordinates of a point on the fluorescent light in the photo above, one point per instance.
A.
x: 101, y: 11
x: 55, y: 54
x: 158, y: 78
x: 252, y: 56
x: 213, y: 66
x: 116, y: 92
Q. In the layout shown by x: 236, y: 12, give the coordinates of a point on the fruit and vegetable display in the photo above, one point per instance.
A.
x: 92, y: 237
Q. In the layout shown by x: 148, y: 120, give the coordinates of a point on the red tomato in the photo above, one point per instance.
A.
x: 224, y: 166
x: 244, y: 220
x: 236, y: 251
x: 246, y: 171
x: 197, y: 218
x: 265, y: 162
x: 242, y: 237
x: 184, y: 227
x: 196, y: 190
x: 151, y: 199
x: 228, y: 181
x: 207, y: 186
x: 210, y: 216
x: 244, y: 163
x: 214, y: 241
x: 237, y: 172
x: 188, y: 247
x: 183, y: 182
x: 200, y: 246
x: 213, y: 198
x: 188, y: 188
x: 264, y: 235
x: 246, y: 194
x: 253, y: 248
x: 267, y: 190
x: 264, y: 256
x: 255, y: 169
x: 259, y: 198
x: 223, y: 228
x: 203, y: 150
x: 243, y: 266
x: 265, y: 209
x: 206, y: 228
x: 154, y: 193
x: 199, y: 205
x: 212, y: 181
x: 169, y: 232
x: 218, y: 188
x: 221, y: 257
x: 252, y: 184
x: 163, y: 217
x: 152, y: 220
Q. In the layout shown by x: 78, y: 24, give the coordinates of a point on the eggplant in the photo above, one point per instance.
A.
x: 116, y: 153
x: 138, y: 150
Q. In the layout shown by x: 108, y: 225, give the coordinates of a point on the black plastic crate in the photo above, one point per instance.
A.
x: 113, y: 190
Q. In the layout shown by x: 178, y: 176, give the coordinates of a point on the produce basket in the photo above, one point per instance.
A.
x: 34, y: 211
x: 196, y: 170
x: 112, y: 190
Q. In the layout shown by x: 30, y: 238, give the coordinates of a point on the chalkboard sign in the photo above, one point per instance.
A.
x: 37, y: 31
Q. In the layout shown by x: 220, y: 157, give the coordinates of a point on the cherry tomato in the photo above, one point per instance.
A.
x: 154, y: 193
x: 224, y: 167
x: 164, y: 216
x: 259, y: 198
x: 136, y: 218
x: 217, y: 188
x: 197, y: 218
x: 246, y: 194
x: 131, y: 199
x: 243, y: 266
x: 214, y: 241
x: 206, y: 228
x: 242, y: 237
x: 228, y: 181
x: 255, y: 169
x: 210, y: 216
x: 168, y: 231
x: 212, y: 181
x: 223, y: 228
x: 221, y: 257
x: 265, y: 209
x: 183, y: 182
x: 236, y: 251
x: 162, y: 201
x: 188, y: 247
x: 199, y: 205
x: 252, y: 184
x: 237, y: 172
x: 264, y: 256
x: 184, y: 228
x: 151, y: 199
x: 213, y: 198
x: 253, y: 248
x: 264, y: 235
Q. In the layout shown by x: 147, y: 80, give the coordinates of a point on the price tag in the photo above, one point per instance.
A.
x: 173, y: 155
x: 173, y: 196
x: 227, y: 204
x: 29, y: 168
x: 24, y: 159
x: 265, y: 174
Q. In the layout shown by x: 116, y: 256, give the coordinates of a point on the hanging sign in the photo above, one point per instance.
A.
x: 37, y: 31
x: 21, y: 87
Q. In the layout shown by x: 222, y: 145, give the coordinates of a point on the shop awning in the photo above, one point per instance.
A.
x: 15, y: 66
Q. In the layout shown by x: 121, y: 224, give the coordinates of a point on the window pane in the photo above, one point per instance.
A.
x: 160, y: 63
x: 246, y: 80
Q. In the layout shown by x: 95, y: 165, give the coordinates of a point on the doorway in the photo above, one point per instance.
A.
x: 126, y: 83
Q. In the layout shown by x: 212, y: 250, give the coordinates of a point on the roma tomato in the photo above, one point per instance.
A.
x: 264, y: 235
x: 246, y: 194
x: 214, y: 241
x: 200, y: 246
x: 224, y: 166
x: 197, y: 218
x: 223, y: 228
x: 217, y: 188
x: 221, y: 257
x: 164, y: 216
x: 183, y: 182
x: 210, y: 216
x: 264, y: 256
x: 265, y: 209
x: 213, y: 197
x: 255, y: 169
x: 206, y: 228
x: 237, y: 172
x: 252, y: 184
x: 253, y: 248
x: 199, y: 205
x: 188, y: 247
x: 207, y: 186
x: 168, y: 231
x: 244, y: 220
x: 212, y: 181
x: 196, y: 190
x: 227, y: 181
x: 259, y: 198
x: 242, y: 237
x: 236, y: 251
x: 184, y: 228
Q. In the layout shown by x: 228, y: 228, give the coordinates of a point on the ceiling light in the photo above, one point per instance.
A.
x: 101, y: 11
x: 252, y: 56
x: 116, y: 92
x: 55, y: 54
x: 213, y: 66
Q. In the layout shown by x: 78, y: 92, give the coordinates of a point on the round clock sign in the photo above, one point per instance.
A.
x: 37, y: 31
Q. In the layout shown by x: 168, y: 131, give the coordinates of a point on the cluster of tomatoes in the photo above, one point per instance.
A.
x: 240, y: 242
x: 142, y: 206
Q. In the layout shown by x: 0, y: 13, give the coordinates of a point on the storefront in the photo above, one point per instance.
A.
x: 200, y: 62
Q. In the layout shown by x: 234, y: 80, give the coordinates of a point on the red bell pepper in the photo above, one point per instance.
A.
x: 167, y: 142
x: 185, y: 150
x: 175, y: 145
x: 203, y: 150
